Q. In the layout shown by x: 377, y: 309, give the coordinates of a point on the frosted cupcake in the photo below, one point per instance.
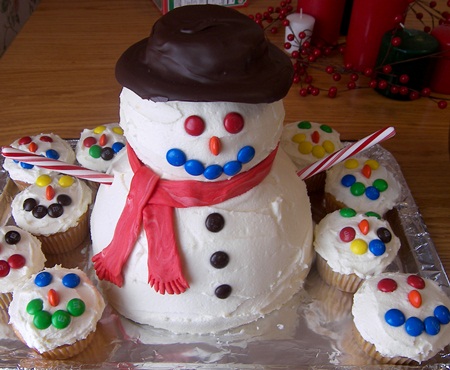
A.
x: 97, y: 148
x: 401, y: 318
x: 20, y: 257
x: 353, y: 246
x: 48, y: 145
x: 56, y: 312
x: 363, y: 184
x: 307, y: 142
x: 56, y: 210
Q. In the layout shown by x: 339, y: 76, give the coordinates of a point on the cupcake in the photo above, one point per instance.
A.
x: 56, y: 210
x: 20, y: 257
x: 352, y: 246
x: 97, y: 148
x: 56, y: 312
x: 401, y: 318
x: 47, y: 145
x: 363, y: 184
x: 307, y: 142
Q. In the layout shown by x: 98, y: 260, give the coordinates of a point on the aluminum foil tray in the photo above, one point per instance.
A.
x: 314, y: 330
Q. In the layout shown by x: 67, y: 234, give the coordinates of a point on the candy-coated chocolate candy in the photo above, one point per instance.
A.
x: 16, y: 261
x: 358, y: 246
x: 95, y: 151
x: 372, y: 193
x: 304, y: 125
x: 66, y: 181
x: 176, y: 157
x: 43, y: 279
x: 49, y: 192
x: 347, y: 234
x: 232, y: 168
x: 42, y: 320
x: 12, y: 237
x: 363, y: 226
x: 89, y: 141
x: 387, y: 285
x: 39, y: 211
x: 76, y: 307
x: 372, y: 163
x: 318, y: 151
x: 384, y: 234
x: 34, y: 306
x: 415, y: 298
x: 328, y: 146
x: 215, y: 222
x: 103, y: 140
x: 194, y: 167
x: 24, y: 140
x: 64, y: 199
x: 414, y: 326
x: 326, y: 129
x: 298, y: 138
x: 117, y: 130
x: 223, y: 291
x: 432, y: 325
x: 348, y: 180
x: 46, y: 139
x: 394, y: 317
x: 415, y: 281
x: 43, y: 180
x: 71, y: 280
x: 29, y: 204
x: 53, y: 297
x: 55, y: 210
x: 194, y: 125
x: 380, y: 184
x: 315, y: 137
x: 107, y: 153
x: 26, y: 166
x: 52, y: 154
x: 4, y: 268
x: 373, y: 214
x: 305, y: 147
x: 117, y: 146
x: 32, y: 147
x: 357, y: 189
x: 99, y: 129
x: 351, y: 163
x: 213, y: 172
x: 246, y: 154
x: 61, y: 319
x: 377, y: 247
x: 442, y: 313
x: 366, y: 171
x: 219, y: 259
x: 233, y: 122
x: 347, y: 212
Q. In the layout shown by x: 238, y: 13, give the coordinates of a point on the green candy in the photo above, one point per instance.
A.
x: 347, y: 212
x: 42, y: 320
x: 304, y: 125
x: 373, y: 214
x: 380, y: 184
x: 95, y: 151
x: 326, y: 129
x: 76, y: 307
x: 357, y: 189
x: 35, y: 306
x: 60, y: 319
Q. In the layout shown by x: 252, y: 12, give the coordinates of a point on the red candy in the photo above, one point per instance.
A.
x: 53, y: 297
x: 416, y: 281
x: 46, y: 139
x: 315, y: 136
x: 16, y: 261
x: 24, y: 140
x: 103, y: 140
x: 347, y: 234
x: 89, y: 141
x: 4, y: 268
x: 49, y: 192
x: 387, y: 285
x: 366, y: 171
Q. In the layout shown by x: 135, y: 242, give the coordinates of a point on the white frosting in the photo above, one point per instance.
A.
x: 112, y: 134
x: 29, y: 176
x: 387, y: 199
x: 79, y: 192
x: 28, y: 247
x: 370, y: 306
x: 153, y: 128
x: 338, y: 254
x: 80, y: 327
x: 267, y: 234
x: 291, y: 136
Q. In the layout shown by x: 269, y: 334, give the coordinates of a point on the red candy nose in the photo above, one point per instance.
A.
x: 53, y: 297
x: 366, y: 171
x: 215, y: 145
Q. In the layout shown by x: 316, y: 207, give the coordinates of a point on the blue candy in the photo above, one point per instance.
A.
x: 43, y: 279
x: 176, y: 157
x: 71, y: 280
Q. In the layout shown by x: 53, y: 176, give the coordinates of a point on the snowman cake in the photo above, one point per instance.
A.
x: 206, y: 225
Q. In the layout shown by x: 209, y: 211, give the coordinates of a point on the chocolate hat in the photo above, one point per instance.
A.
x: 206, y: 53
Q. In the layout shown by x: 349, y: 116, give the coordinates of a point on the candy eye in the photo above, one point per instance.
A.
x: 233, y: 122
x: 194, y: 125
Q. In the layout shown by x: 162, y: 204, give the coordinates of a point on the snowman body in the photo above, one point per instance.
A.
x: 259, y: 250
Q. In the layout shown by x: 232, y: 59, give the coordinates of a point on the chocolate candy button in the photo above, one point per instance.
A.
x: 215, y: 222
x: 219, y: 260
x: 223, y: 291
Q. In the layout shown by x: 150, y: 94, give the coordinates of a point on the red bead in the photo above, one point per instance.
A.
x: 303, y: 92
x: 419, y: 16
x: 373, y: 84
x: 336, y: 76
x: 442, y: 104
x: 273, y: 30
x: 24, y: 140
x: 329, y: 69
x: 4, y: 268
x: 233, y: 122
x: 404, y: 90
x: 396, y: 41
x: 287, y: 45
x: 348, y: 66
x: 425, y: 91
x: 387, y: 69
x: 306, y: 44
x: 398, y: 18
x: 433, y: 4
x: 290, y: 37
x: 351, y: 85
x: 317, y: 53
x: 415, y: 281
x: 311, y: 58
x: 354, y: 77
x: 285, y: 22
x: 315, y: 91
x: 387, y: 285
x: 394, y: 89
x: 414, y: 95
x: 295, y: 54
x: 302, y: 35
x: 194, y: 125
x: 16, y: 261
x: 332, y: 92
x: 404, y: 79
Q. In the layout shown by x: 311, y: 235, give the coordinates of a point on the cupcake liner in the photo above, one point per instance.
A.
x: 5, y: 300
x: 332, y: 204
x: 347, y: 283
x: 371, y: 350
x: 66, y: 241
x: 316, y: 183
x: 21, y: 185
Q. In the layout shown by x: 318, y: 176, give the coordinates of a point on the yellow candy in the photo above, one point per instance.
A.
x: 118, y: 130
x: 43, y: 180
x: 298, y: 138
x: 99, y: 129
x: 66, y: 181
x: 305, y: 147
x: 351, y: 163
x: 358, y: 246
x: 328, y: 146
x: 318, y: 151
x: 372, y: 163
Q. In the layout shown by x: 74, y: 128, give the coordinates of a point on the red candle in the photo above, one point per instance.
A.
x: 369, y: 21
x: 328, y: 16
x: 440, y: 79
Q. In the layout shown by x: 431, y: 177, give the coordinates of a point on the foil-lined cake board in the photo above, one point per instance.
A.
x: 313, y: 330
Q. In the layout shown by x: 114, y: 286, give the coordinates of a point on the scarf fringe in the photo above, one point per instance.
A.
x: 176, y: 286
x: 105, y: 272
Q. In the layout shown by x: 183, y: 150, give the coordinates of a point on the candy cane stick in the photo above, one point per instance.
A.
x: 344, y: 153
x: 55, y: 165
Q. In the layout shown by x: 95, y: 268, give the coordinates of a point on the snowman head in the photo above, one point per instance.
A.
x: 203, y: 141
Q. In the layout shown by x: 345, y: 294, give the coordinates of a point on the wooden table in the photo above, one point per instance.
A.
x: 58, y: 76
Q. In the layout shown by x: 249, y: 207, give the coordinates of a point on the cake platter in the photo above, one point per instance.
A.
x: 313, y: 330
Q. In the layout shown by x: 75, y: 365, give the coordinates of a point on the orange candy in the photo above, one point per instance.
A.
x: 53, y: 297
x: 415, y: 298
x: 366, y: 171
x: 32, y: 147
x: 364, y: 226
x: 49, y: 192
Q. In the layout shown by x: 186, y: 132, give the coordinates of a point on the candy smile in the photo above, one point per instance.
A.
x: 177, y: 158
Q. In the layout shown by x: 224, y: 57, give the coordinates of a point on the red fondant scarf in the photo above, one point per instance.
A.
x: 150, y: 204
